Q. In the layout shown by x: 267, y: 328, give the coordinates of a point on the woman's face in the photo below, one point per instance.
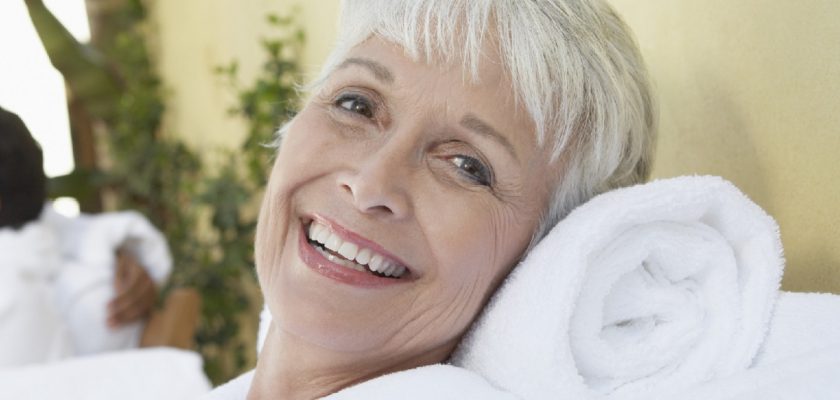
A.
x: 409, y: 169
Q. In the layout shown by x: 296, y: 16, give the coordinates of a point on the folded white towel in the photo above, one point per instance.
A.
x: 801, y: 324
x: 814, y: 375
x: 799, y: 359
x: 640, y: 291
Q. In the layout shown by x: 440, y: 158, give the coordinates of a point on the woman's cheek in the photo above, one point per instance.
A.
x: 271, y: 226
x: 273, y: 221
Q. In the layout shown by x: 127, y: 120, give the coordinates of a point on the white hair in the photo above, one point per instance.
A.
x: 574, y: 66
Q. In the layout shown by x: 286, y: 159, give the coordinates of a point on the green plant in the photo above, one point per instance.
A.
x: 207, y: 217
x: 198, y: 211
x: 265, y: 104
x: 272, y: 98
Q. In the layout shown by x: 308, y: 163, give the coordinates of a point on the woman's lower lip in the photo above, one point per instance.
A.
x: 320, y: 264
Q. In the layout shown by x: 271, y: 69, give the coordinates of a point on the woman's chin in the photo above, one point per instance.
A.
x: 312, y: 325
x: 331, y: 313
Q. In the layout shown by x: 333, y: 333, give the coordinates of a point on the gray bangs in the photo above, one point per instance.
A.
x: 451, y: 32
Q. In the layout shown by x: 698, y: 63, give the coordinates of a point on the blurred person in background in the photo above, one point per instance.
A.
x: 68, y: 286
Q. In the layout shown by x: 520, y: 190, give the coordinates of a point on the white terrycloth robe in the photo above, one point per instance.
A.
x: 85, y: 285
x: 57, y: 279
x: 31, y: 330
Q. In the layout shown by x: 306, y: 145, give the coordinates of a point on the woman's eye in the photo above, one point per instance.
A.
x: 356, y: 104
x: 474, y: 169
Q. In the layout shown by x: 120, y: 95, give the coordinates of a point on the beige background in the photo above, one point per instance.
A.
x: 748, y: 89
x: 194, y: 36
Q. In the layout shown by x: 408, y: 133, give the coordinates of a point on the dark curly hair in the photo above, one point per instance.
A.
x: 23, y: 185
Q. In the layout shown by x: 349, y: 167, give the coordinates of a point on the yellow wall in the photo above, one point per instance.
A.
x: 748, y: 89
x: 196, y: 35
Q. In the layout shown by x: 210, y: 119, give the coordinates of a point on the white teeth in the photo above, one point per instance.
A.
x: 315, y: 230
x: 386, y: 269
x: 337, y: 260
x: 348, y: 250
x: 375, y: 263
x: 391, y: 271
x: 321, y: 233
x: 333, y: 242
x: 363, y: 257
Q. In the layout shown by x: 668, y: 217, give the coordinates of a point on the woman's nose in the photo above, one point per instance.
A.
x: 378, y: 185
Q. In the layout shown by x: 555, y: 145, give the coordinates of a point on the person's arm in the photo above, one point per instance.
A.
x: 135, y: 291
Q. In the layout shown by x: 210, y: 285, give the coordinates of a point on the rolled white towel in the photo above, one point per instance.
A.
x: 638, y: 292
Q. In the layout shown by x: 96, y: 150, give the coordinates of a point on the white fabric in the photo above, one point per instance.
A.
x: 637, y: 292
x: 85, y: 285
x: 56, y: 278
x: 809, y: 376
x: 30, y: 328
x: 159, y: 374
x: 799, y: 359
x: 802, y: 324
x: 443, y: 382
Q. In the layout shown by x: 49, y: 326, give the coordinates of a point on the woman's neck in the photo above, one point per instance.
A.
x: 291, y: 368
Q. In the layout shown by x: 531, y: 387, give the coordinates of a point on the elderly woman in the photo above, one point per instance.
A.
x: 442, y: 140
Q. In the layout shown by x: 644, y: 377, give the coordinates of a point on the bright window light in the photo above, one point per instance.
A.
x: 30, y: 86
x: 66, y: 206
x: 73, y: 15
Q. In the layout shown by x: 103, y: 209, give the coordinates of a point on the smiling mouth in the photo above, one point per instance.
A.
x: 351, y: 255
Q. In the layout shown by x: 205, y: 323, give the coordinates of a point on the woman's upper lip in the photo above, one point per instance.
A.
x: 347, y: 235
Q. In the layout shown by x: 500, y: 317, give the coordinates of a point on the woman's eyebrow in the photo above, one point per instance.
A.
x: 475, y: 124
x: 379, y: 71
